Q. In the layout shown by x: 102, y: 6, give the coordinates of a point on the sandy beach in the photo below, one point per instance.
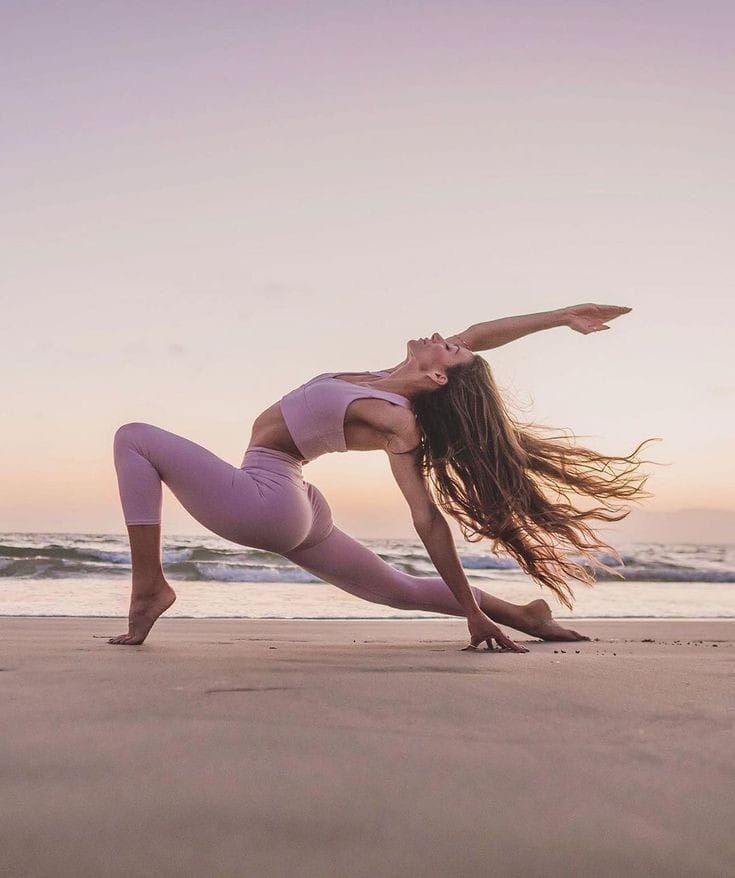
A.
x: 315, y: 748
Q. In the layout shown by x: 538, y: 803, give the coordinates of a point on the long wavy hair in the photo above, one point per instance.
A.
x: 502, y: 479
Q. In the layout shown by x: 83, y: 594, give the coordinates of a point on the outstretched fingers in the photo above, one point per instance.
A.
x: 504, y: 642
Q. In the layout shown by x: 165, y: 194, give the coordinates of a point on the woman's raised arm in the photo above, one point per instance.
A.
x: 584, y: 318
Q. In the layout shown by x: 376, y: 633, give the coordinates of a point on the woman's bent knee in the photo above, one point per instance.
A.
x: 128, y: 429
x: 130, y: 433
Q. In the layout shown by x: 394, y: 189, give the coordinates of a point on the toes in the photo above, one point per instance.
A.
x: 127, y: 639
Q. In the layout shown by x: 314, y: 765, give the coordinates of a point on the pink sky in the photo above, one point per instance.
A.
x: 205, y: 206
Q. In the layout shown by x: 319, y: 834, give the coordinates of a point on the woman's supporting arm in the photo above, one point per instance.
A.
x: 436, y: 536
x: 584, y: 318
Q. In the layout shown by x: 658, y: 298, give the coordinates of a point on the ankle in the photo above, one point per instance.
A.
x: 518, y: 616
x: 148, y: 582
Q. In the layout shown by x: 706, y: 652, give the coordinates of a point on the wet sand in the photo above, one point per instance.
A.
x: 365, y: 748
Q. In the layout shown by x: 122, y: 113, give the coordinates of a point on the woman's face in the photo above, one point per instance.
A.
x: 435, y: 353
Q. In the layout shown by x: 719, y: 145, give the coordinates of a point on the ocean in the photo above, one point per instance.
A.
x: 55, y: 574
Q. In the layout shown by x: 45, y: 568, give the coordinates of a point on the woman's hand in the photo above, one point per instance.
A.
x: 483, y: 628
x: 591, y: 318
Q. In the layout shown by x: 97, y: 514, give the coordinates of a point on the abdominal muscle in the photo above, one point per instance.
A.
x: 270, y: 431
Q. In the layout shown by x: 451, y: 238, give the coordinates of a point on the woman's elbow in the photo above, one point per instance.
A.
x: 426, y: 519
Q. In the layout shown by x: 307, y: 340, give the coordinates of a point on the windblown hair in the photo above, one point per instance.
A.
x: 494, y: 475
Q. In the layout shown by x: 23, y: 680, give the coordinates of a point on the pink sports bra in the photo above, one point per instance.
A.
x: 315, y: 411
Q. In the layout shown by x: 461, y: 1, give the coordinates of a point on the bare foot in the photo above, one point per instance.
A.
x: 544, y: 626
x: 144, y: 611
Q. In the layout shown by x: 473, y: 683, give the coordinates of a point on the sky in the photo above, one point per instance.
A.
x: 204, y: 205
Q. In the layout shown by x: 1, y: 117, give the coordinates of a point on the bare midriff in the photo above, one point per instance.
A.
x: 270, y: 430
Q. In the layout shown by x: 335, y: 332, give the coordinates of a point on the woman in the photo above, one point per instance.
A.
x: 439, y: 417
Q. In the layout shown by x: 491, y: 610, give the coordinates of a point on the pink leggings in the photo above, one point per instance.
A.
x: 264, y: 504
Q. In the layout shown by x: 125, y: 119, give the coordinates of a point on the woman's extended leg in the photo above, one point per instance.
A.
x: 348, y: 564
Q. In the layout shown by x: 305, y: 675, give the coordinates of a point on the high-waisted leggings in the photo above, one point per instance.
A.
x: 264, y: 504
